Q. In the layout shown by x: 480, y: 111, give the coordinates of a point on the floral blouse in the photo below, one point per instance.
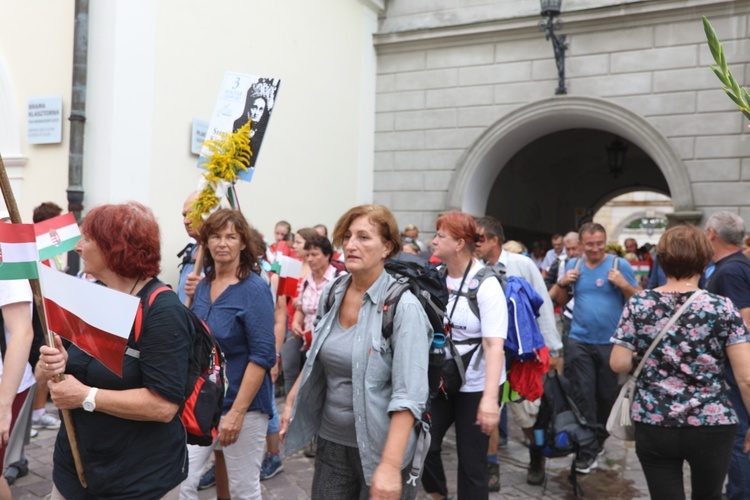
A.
x: 682, y: 383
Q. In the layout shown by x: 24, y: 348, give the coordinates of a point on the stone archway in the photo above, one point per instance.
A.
x: 636, y: 215
x: 477, y: 169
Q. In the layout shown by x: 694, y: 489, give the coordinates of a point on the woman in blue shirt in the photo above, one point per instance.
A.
x: 236, y: 304
x: 359, y: 392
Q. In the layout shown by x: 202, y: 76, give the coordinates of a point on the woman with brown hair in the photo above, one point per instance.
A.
x: 680, y: 405
x: 359, y: 392
x: 236, y: 304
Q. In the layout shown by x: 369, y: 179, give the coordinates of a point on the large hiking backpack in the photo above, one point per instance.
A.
x: 560, y: 424
x: 427, y: 284
x: 206, y: 383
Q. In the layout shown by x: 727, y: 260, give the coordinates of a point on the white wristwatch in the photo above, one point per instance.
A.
x: 89, y: 404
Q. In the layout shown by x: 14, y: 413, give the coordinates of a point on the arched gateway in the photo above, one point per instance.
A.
x: 478, y: 168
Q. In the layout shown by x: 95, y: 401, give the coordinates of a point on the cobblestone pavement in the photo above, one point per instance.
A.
x: 619, y: 475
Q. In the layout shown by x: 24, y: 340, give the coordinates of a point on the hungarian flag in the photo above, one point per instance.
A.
x: 289, y: 270
x: 95, y: 318
x: 18, y: 254
x: 56, y: 236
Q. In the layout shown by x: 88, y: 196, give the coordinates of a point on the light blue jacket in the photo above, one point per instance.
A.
x: 387, y: 375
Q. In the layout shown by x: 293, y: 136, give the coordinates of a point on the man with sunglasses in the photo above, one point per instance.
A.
x: 489, y: 248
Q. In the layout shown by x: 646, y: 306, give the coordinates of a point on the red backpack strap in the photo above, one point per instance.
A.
x: 139, y: 314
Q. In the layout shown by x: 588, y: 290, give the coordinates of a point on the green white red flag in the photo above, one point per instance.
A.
x: 18, y: 253
x: 289, y: 270
x: 95, y: 318
x: 56, y: 236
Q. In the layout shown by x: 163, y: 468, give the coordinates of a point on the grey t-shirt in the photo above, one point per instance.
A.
x: 338, y: 411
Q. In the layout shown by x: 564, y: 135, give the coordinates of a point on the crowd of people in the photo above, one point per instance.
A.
x: 355, y: 397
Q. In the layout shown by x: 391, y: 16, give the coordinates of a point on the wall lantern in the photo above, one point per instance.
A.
x: 616, y: 156
x: 550, y: 10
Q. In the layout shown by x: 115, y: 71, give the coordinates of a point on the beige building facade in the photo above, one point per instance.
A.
x: 155, y: 65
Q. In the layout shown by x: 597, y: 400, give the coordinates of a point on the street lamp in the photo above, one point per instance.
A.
x: 616, y: 156
x: 550, y: 10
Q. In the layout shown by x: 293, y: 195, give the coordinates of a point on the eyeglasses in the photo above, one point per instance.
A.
x: 480, y: 238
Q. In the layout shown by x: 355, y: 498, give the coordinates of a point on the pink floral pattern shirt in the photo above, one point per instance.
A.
x: 310, y: 295
x: 682, y: 383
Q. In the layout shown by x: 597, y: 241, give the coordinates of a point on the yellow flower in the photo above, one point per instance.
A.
x: 228, y: 155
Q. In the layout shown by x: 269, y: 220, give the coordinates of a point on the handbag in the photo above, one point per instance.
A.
x: 453, y: 376
x: 619, y: 423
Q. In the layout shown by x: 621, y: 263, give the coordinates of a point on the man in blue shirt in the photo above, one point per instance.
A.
x: 731, y: 278
x: 601, y: 289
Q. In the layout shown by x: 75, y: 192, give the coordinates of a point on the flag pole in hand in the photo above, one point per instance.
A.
x: 197, y: 269
x: 15, y: 217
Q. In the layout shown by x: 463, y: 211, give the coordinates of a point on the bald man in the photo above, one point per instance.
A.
x: 187, y: 254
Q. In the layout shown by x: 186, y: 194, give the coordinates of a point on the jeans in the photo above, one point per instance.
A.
x: 595, y: 386
x: 738, y: 485
x: 338, y: 474
x: 292, y: 360
x: 243, y: 460
x: 663, y: 450
x: 471, y: 445
x: 503, y: 425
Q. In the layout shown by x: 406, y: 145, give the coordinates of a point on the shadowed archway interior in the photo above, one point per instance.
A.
x: 539, y: 189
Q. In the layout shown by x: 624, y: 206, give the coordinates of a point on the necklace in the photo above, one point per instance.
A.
x: 134, y: 285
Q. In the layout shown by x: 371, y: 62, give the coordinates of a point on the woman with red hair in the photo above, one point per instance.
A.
x: 472, y: 404
x: 129, y: 432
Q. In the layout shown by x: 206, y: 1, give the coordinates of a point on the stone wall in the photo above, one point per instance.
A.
x: 438, y: 91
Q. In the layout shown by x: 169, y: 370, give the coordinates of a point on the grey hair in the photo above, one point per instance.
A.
x: 571, y: 237
x: 729, y: 227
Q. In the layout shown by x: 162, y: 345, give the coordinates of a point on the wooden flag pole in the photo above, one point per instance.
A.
x: 15, y: 217
x: 196, y: 271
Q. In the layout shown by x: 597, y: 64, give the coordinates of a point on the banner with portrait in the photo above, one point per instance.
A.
x: 243, y: 98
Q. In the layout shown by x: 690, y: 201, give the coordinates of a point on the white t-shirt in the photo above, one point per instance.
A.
x: 11, y: 292
x: 494, y: 324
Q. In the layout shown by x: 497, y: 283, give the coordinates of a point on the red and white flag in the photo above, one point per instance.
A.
x: 95, y: 318
x: 289, y: 271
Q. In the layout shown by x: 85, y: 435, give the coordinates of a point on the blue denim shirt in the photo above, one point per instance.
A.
x: 387, y: 375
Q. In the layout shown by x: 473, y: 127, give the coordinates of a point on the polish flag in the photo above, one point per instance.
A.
x: 56, y: 236
x: 289, y: 270
x: 95, y: 318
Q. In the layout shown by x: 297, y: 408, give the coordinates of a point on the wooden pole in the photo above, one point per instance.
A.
x: 196, y: 271
x: 15, y: 217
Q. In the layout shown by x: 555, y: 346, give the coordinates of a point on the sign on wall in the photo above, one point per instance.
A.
x: 44, y: 120
x: 200, y: 127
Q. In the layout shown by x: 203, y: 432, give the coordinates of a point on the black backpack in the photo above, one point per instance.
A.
x: 560, y: 422
x: 206, y: 383
x: 423, y: 280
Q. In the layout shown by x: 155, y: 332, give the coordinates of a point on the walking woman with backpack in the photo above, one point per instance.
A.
x: 129, y: 432
x: 360, y: 392
x: 472, y: 403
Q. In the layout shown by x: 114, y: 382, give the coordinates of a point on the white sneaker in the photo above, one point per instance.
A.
x: 46, y: 421
x: 33, y: 433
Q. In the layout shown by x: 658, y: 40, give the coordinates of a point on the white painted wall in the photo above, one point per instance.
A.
x: 155, y: 65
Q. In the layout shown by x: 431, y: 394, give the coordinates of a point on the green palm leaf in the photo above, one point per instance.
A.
x: 738, y: 94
